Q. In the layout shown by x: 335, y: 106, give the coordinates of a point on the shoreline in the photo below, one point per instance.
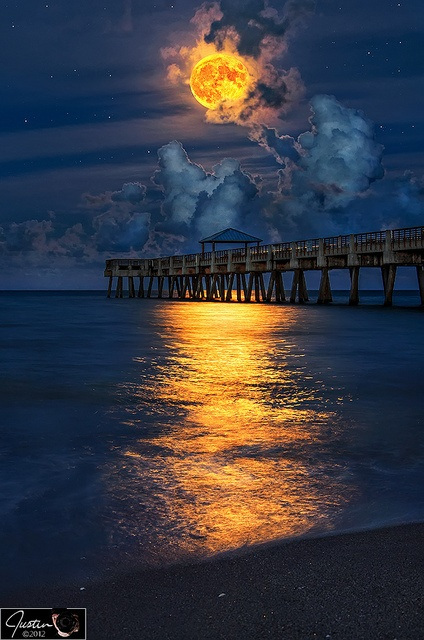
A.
x: 361, y: 585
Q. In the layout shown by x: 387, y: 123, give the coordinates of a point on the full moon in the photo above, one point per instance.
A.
x: 219, y: 77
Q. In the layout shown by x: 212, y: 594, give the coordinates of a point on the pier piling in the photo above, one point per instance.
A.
x: 420, y: 276
x: 389, y: 276
x: 354, y: 286
x: 324, y: 294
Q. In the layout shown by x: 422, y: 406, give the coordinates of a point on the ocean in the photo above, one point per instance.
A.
x: 144, y: 432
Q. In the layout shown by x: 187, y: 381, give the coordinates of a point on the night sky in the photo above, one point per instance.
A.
x: 105, y: 151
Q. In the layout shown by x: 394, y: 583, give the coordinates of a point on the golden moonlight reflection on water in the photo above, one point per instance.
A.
x: 237, y: 421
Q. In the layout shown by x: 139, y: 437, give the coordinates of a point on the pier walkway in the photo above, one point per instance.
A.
x: 256, y: 273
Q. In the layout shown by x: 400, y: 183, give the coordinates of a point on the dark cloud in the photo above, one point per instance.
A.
x: 255, y: 23
x: 121, y: 231
x: 111, y: 222
x: 282, y: 147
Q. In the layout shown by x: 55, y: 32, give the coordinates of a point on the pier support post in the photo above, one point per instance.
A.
x: 196, y: 286
x: 119, y: 292
x: 131, y: 290
x: 160, y: 286
x: 303, y: 291
x: 215, y: 287
x: 270, y: 287
x: 248, y: 293
x: 194, y: 281
x: 244, y: 285
x: 238, y: 284
x: 230, y: 287
x: 140, y: 293
x: 187, y: 287
x: 257, y: 292
x: 299, y: 286
x: 294, y: 286
x: 420, y: 276
x: 179, y: 285
x: 207, y: 287
x: 280, y: 295
x: 280, y: 281
x: 389, y: 275
x: 211, y: 289
x: 222, y: 288
x: 149, y: 288
x: 171, y: 282
x: 109, y: 289
x: 354, y: 286
x: 262, y: 286
x: 324, y: 295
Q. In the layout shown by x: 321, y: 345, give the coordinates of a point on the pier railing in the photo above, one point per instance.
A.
x: 360, y: 243
x: 258, y: 271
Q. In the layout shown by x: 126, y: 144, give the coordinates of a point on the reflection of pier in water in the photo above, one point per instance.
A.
x: 256, y: 273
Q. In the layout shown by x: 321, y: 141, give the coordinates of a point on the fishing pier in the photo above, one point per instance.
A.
x: 255, y: 272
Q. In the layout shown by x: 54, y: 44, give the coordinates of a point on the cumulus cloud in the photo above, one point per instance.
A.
x: 341, y: 156
x: 197, y: 201
x: 323, y: 171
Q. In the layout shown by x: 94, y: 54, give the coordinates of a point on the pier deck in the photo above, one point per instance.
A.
x: 256, y: 273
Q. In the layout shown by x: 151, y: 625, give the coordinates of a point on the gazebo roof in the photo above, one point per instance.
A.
x: 230, y: 235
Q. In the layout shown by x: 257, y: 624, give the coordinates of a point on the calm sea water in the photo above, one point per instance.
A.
x: 142, y: 432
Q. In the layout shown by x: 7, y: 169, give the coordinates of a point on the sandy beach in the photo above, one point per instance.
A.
x: 366, y: 585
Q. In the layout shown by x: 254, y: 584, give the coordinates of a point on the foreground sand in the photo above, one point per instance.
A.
x: 367, y: 585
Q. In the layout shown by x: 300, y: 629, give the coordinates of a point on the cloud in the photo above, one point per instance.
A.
x: 110, y: 222
x: 31, y: 235
x: 330, y: 181
x: 133, y: 192
x: 256, y: 28
x: 197, y: 202
x: 40, y: 241
x: 281, y: 147
x: 121, y: 231
x: 341, y: 156
x: 324, y: 171
x: 255, y: 31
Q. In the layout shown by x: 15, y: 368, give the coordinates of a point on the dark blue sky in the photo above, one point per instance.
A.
x: 86, y: 103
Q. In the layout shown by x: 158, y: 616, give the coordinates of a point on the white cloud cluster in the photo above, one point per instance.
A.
x: 341, y: 156
x: 196, y: 201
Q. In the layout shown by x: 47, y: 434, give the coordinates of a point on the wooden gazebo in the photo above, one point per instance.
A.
x: 229, y: 236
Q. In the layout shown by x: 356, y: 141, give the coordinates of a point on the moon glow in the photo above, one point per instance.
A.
x: 217, y: 78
